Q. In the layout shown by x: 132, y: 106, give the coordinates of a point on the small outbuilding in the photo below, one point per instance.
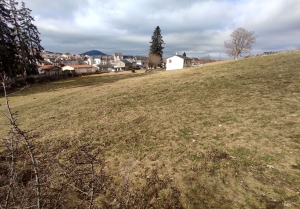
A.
x: 177, y: 62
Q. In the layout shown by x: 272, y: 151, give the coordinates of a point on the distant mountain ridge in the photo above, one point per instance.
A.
x: 53, y: 52
x: 93, y: 53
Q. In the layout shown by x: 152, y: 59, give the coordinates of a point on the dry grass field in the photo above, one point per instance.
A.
x: 225, y: 135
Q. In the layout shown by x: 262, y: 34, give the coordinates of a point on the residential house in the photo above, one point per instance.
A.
x: 105, y: 67
x: 124, y: 65
x: 66, y: 56
x: 132, y: 60
x: 97, y: 60
x: 47, y: 55
x: 80, y: 69
x: 118, y: 57
x: 89, y: 60
x: 46, y: 62
x: 70, y: 62
x: 164, y: 62
x: 196, y: 62
x: 141, y: 61
x: 177, y: 62
x: 50, y: 70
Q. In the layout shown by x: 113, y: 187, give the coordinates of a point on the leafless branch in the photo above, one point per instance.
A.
x: 18, y: 91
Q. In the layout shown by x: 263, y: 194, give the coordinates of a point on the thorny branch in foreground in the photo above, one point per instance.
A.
x: 16, y: 134
x: 38, y: 175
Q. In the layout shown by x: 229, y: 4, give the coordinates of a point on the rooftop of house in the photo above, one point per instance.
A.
x: 140, y: 57
x: 79, y: 66
x: 182, y: 57
x: 45, y: 62
x: 105, y: 65
x: 47, y: 67
x: 128, y: 56
x: 126, y: 61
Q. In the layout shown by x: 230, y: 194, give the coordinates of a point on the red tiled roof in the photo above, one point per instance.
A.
x: 80, y: 66
x: 47, y: 67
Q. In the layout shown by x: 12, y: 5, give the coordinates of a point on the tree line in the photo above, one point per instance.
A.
x: 19, y: 40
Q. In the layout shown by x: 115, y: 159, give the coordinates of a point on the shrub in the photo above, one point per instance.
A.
x: 30, y: 80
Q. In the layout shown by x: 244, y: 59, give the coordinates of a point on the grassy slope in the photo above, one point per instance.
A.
x: 228, y: 134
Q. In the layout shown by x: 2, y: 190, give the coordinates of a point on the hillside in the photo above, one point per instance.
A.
x: 93, y: 53
x: 225, y: 135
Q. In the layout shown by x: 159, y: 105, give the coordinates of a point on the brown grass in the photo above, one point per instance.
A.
x: 227, y: 134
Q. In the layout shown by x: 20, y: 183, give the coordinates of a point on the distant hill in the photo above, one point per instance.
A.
x: 93, y: 53
x: 53, y: 52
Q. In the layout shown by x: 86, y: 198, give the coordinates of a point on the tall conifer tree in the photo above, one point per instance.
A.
x: 7, y: 43
x: 156, y: 43
x: 21, y: 64
x: 30, y: 41
x: 19, y: 40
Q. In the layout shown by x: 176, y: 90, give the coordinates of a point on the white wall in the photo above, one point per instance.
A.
x: 97, y: 61
x: 67, y: 68
x: 177, y: 63
x: 81, y: 70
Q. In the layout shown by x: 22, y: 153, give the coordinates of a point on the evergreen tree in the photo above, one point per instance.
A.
x: 30, y: 41
x: 20, y: 64
x: 19, y: 40
x: 156, y: 43
x: 7, y: 44
x: 184, y: 54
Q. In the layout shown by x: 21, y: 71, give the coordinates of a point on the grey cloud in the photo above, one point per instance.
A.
x: 54, y: 9
x: 196, y: 27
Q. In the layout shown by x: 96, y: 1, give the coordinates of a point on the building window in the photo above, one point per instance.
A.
x: 170, y: 61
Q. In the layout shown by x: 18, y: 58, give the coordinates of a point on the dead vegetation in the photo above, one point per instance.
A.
x: 220, y: 136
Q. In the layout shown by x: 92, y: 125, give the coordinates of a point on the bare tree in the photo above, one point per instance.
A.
x: 153, y: 61
x: 205, y: 59
x: 240, y: 43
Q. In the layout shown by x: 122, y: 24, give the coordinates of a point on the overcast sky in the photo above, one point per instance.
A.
x: 197, y: 27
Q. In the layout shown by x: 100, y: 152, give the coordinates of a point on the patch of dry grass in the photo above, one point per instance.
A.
x: 228, y: 134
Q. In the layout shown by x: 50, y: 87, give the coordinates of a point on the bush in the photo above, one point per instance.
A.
x: 30, y: 80
x: 43, y: 80
x: 18, y: 83
x: 133, y: 70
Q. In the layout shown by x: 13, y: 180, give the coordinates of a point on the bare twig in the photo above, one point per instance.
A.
x: 18, y: 91
x: 16, y: 130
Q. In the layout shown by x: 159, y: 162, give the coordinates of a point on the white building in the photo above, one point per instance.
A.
x: 177, y: 62
x: 80, y: 69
